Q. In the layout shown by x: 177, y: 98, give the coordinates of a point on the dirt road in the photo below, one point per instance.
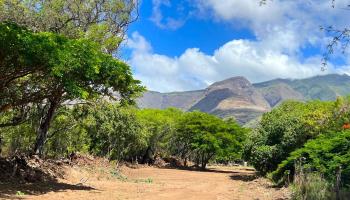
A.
x: 154, y: 184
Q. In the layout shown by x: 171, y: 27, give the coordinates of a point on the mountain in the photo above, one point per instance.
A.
x: 181, y: 100
x: 324, y: 88
x: 237, y: 97
x: 233, y: 97
x: 278, y: 91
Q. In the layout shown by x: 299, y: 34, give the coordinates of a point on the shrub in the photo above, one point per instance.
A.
x: 285, y: 129
x: 326, y: 154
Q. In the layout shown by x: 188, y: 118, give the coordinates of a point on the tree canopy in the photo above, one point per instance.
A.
x: 37, y: 66
x: 102, y: 21
x: 49, y: 67
x: 203, y: 137
x: 160, y: 128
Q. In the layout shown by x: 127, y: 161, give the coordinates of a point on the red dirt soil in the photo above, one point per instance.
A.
x: 150, y: 183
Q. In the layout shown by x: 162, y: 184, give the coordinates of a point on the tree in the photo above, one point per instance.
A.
x: 18, y: 138
x: 160, y: 127
x: 72, y: 69
x: 114, y: 131
x: 68, y: 133
x: 205, y: 136
x: 233, y: 138
x: 24, y: 58
x: 97, y: 127
x: 102, y: 21
x: 285, y: 129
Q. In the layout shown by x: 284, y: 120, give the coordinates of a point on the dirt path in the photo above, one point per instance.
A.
x: 157, y: 184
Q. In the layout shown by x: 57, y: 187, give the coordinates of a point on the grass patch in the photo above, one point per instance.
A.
x: 19, y: 193
x: 147, y: 180
x: 119, y: 176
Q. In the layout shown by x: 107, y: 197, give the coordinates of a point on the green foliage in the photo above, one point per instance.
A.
x: 61, y: 54
x: 17, y: 138
x: 325, y: 154
x: 147, y: 180
x: 205, y: 136
x: 67, y: 133
x: 232, y: 138
x: 64, y: 136
x: 285, y: 129
x: 99, y: 128
x: 100, y: 21
x: 49, y: 69
x: 114, y: 131
x: 311, y: 186
x: 24, y: 59
x: 38, y: 66
x: 19, y: 193
x: 160, y: 127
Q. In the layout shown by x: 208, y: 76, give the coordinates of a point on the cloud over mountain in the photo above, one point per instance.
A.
x: 284, y: 31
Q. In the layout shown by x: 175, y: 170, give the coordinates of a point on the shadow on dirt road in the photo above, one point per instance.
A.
x: 15, y: 190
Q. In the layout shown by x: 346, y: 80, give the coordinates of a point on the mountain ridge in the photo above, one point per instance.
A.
x: 239, y: 98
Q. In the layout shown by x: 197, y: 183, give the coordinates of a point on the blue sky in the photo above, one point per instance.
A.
x: 195, y: 31
x: 179, y: 45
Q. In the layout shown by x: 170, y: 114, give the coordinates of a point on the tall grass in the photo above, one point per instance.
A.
x: 310, y: 185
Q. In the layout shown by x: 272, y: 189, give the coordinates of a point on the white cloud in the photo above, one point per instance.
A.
x: 287, y: 24
x: 196, y: 70
x: 164, y: 22
x: 138, y: 44
x: 248, y: 10
x: 282, y: 29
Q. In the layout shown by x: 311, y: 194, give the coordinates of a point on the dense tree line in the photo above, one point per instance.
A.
x: 126, y: 133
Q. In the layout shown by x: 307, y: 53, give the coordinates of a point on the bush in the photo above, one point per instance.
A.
x: 326, y: 154
x: 285, y: 129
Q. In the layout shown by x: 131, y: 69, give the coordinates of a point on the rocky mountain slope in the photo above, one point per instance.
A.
x: 233, y: 97
x: 237, y: 97
x: 181, y: 100
x: 324, y: 88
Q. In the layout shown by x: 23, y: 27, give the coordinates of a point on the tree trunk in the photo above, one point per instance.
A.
x: 147, y: 157
x: 44, y: 127
x: 204, y: 165
x: 203, y: 162
x: 197, y: 161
